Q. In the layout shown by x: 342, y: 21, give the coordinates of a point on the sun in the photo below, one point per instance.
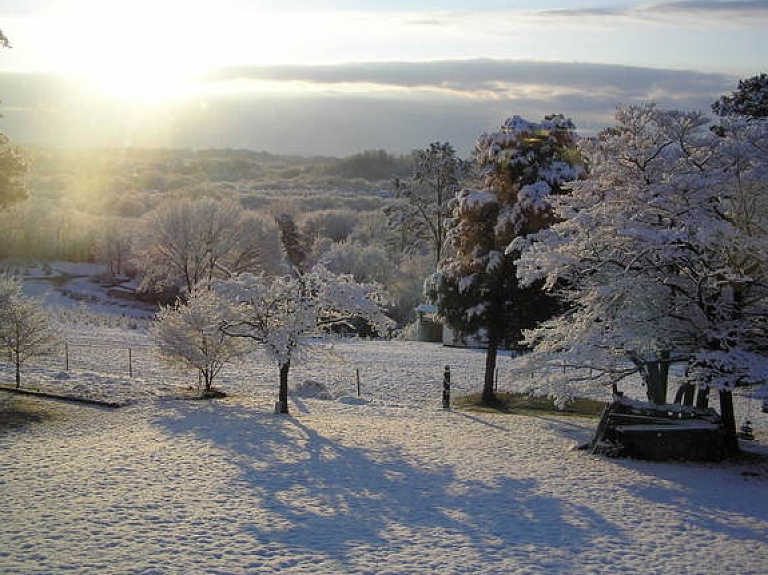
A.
x: 142, y: 50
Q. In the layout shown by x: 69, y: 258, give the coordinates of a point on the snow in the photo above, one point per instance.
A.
x: 388, y: 483
x: 69, y: 285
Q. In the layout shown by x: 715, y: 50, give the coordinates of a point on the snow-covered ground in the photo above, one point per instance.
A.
x: 68, y: 285
x: 387, y: 484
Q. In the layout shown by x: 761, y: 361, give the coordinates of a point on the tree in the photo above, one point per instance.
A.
x: 364, y: 263
x: 295, y: 245
x: 258, y: 249
x: 334, y: 224
x: 476, y: 287
x: 423, y: 197
x: 189, y: 336
x: 12, y: 170
x: 750, y: 100
x: 12, y: 165
x: 113, y: 244
x: 185, y: 242
x: 653, y: 261
x: 283, y: 313
x: 25, y: 330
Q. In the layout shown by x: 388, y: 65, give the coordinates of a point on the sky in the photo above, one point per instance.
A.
x: 336, y: 77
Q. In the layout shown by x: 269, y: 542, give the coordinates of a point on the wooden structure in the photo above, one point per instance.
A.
x: 428, y: 326
x: 642, y: 430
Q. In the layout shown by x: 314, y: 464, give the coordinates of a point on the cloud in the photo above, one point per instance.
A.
x: 398, y: 106
x: 744, y: 10
x: 484, y: 76
x: 711, y: 7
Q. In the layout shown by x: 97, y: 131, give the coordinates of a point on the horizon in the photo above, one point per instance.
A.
x: 332, y: 79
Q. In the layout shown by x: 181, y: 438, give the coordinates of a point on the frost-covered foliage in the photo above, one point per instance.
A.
x: 258, y: 249
x: 189, y: 334
x: 476, y: 289
x: 12, y: 170
x: 336, y: 225
x: 750, y: 100
x: 657, y: 258
x: 282, y: 314
x: 184, y: 242
x: 113, y: 243
x: 364, y: 263
x: 421, y: 207
x: 82, y: 316
x: 25, y: 329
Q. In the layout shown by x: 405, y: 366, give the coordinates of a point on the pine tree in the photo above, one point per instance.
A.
x: 476, y: 288
x: 750, y: 100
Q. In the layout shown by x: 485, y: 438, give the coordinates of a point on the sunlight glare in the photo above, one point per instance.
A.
x: 142, y: 51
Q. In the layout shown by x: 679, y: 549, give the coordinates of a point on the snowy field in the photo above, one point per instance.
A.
x: 386, y: 484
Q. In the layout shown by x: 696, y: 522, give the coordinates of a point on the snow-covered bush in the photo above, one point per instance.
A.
x: 364, y: 263
x: 336, y: 225
x: 189, y: 334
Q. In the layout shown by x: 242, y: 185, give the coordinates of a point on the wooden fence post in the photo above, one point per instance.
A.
x: 447, y: 387
x: 130, y: 363
x: 357, y: 376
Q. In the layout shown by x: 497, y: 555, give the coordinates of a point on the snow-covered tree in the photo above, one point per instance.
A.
x: 750, y: 100
x: 283, y: 313
x: 258, y: 249
x: 336, y: 225
x: 654, y: 261
x: 113, y: 243
x: 25, y: 329
x: 12, y: 165
x: 476, y: 287
x: 364, y: 263
x: 189, y: 335
x: 12, y: 170
x: 185, y: 242
x: 422, y: 208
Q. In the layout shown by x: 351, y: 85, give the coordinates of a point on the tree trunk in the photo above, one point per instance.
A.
x: 702, y: 398
x: 729, y: 423
x: 688, y: 396
x: 685, y: 394
x: 657, y: 380
x: 282, y: 395
x: 490, y: 370
x: 18, y: 371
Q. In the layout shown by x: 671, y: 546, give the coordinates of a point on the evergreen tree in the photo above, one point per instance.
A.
x: 750, y: 100
x: 476, y: 288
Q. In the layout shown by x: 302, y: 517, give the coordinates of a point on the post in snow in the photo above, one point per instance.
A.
x: 447, y: 387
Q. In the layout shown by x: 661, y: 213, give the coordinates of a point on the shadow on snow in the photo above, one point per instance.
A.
x: 321, y: 497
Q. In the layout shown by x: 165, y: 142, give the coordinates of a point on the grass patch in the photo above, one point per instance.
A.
x: 524, y: 403
x: 18, y: 412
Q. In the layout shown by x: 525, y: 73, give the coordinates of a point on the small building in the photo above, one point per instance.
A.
x: 428, y: 325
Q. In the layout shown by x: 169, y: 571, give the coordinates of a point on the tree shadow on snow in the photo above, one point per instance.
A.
x: 711, y: 497
x: 320, y: 497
